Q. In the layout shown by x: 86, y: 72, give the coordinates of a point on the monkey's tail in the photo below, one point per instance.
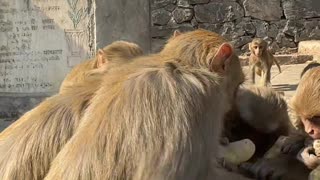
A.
x: 277, y: 64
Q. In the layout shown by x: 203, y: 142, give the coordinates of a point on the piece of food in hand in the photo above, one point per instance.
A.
x: 237, y: 152
x: 316, y: 146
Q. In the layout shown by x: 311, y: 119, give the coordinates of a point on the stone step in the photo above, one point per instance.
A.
x: 283, y: 59
x: 309, y: 47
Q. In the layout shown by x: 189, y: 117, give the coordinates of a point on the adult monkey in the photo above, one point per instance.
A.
x: 305, y: 104
x: 158, y: 117
x: 115, y: 54
x: 261, y: 61
x: 29, y: 145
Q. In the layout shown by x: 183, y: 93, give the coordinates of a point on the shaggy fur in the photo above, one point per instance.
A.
x: 158, y: 117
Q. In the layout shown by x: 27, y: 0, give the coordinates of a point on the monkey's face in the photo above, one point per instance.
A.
x: 312, y: 126
x: 257, y: 49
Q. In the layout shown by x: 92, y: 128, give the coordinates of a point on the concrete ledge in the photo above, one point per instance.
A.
x: 282, y: 59
x: 309, y: 47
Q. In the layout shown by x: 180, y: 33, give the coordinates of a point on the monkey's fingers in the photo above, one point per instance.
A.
x: 292, y: 148
x: 224, y: 141
x: 262, y: 170
x: 246, y: 169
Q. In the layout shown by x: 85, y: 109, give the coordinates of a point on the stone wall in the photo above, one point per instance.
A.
x: 283, y: 23
x: 40, y: 42
x: 123, y: 20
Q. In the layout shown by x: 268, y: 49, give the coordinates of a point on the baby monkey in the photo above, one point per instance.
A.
x: 261, y: 61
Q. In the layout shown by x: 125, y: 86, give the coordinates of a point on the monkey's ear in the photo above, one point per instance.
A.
x: 250, y: 47
x: 221, y: 59
x: 176, y: 33
x: 101, y: 58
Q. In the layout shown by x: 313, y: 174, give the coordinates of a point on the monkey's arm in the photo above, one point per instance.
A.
x: 281, y: 167
x: 266, y: 77
x: 253, y: 71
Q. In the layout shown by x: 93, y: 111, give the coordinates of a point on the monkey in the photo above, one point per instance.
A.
x: 259, y: 114
x: 261, y: 61
x: 30, y: 144
x: 309, y: 66
x: 304, y: 104
x: 115, y: 54
x: 157, y: 117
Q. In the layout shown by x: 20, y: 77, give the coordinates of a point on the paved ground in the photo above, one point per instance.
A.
x: 286, y: 81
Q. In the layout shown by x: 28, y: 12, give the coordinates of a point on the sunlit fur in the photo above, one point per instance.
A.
x: 308, y: 67
x: 305, y: 102
x: 29, y: 145
x: 156, y: 118
x: 117, y: 53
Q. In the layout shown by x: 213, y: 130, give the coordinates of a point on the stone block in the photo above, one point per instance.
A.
x: 299, y: 9
x: 309, y: 47
x: 199, y: 1
x: 265, y: 10
x: 160, y: 16
x: 182, y: 14
x: 218, y: 12
x: 155, y: 4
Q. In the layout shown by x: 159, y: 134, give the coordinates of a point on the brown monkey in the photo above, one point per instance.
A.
x: 260, y: 61
x: 115, y: 54
x: 29, y: 145
x: 259, y: 114
x: 158, y: 117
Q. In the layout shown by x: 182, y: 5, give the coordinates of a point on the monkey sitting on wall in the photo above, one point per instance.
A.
x: 158, y: 117
x: 261, y: 61
x: 28, y: 146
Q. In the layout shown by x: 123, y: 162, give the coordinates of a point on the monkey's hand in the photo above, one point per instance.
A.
x: 308, y: 157
x: 292, y: 146
x: 224, y: 141
x: 263, y: 169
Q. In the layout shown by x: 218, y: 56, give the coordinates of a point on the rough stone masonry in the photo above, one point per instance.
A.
x: 283, y: 23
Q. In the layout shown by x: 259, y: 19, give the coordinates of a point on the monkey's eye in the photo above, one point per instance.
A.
x: 315, y: 119
x: 255, y: 47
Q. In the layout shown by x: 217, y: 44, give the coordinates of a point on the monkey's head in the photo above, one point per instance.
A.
x: 305, y: 102
x: 205, y: 49
x: 258, y: 46
x: 113, y: 55
x: 262, y: 108
x: 118, y: 52
x: 308, y: 67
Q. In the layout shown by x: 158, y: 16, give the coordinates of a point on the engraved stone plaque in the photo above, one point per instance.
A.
x: 41, y: 40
